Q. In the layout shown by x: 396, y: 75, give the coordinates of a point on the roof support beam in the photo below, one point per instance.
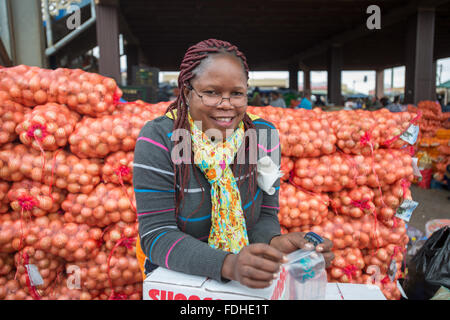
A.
x: 386, y: 20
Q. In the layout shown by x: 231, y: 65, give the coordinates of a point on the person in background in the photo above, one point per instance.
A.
x: 276, y: 100
x: 256, y: 99
x: 376, y: 104
x: 305, y: 103
x: 395, y: 106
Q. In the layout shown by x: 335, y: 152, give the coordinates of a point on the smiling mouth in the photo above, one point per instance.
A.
x: 224, y: 119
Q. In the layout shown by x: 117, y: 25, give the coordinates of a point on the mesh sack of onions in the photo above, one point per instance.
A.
x: 388, y: 199
x: 59, y: 168
x: 117, y: 233
x: 96, y: 138
x: 69, y: 241
x: 300, y: 208
x: 47, y: 127
x: 140, y: 107
x: 347, y: 266
x: 11, y: 158
x: 118, y: 168
x: 383, y: 257
x: 287, y: 165
x: 360, y: 132
x: 127, y: 292
x: 11, y: 289
x: 110, y: 268
x: 354, y: 202
x: 106, y: 204
x: 363, y: 233
x: 332, y: 173
x: 4, y: 200
x: 86, y: 93
x: 45, y: 263
x: 33, y: 198
x: 13, y: 232
x: 11, y: 114
x: 6, y: 263
x: 303, y: 137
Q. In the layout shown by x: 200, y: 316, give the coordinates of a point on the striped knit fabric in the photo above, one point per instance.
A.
x: 180, y: 243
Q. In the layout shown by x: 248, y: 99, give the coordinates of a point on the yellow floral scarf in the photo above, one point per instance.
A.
x: 228, y: 231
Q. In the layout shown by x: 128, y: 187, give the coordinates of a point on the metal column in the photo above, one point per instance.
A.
x: 419, y: 78
x: 108, y: 40
x: 379, y: 84
x: 334, y: 74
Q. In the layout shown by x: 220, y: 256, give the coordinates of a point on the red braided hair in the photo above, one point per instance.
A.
x: 191, y: 61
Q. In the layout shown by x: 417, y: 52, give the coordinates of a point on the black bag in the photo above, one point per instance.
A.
x: 429, y: 269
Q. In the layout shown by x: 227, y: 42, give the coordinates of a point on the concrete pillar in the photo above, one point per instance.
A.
x: 379, y: 84
x: 108, y: 40
x: 27, y: 30
x: 132, y: 52
x: 334, y: 67
x: 293, y: 75
x: 419, y: 76
x: 306, y: 81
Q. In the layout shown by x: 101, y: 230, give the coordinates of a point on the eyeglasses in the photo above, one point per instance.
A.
x: 213, y: 99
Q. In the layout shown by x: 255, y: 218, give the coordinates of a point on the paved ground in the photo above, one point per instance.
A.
x: 433, y: 204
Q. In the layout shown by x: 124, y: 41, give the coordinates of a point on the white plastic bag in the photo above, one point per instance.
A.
x: 306, y: 276
x: 268, y: 173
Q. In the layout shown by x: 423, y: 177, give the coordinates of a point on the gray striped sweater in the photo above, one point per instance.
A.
x: 180, y: 243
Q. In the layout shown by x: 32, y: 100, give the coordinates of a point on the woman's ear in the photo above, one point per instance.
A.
x: 186, y: 93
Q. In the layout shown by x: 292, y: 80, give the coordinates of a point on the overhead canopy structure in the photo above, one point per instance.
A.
x: 273, y: 33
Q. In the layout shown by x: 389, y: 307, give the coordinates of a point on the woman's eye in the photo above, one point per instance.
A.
x: 237, y: 94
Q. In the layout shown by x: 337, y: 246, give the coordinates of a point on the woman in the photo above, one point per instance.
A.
x: 202, y: 213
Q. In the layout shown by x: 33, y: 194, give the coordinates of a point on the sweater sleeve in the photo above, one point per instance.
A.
x: 268, y: 225
x: 161, y: 240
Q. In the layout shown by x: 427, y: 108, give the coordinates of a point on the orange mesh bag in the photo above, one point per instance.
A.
x: 105, y: 205
x: 301, y: 208
x: 86, y: 93
x: 33, y: 198
x: 47, y: 127
x: 11, y: 114
x: 118, y: 168
x: 347, y: 266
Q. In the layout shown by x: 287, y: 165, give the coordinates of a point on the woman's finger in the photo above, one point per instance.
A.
x: 258, y: 274
x: 256, y: 284
x: 266, y: 251
x: 328, y: 257
x: 298, y: 239
x: 325, y: 246
x: 263, y: 264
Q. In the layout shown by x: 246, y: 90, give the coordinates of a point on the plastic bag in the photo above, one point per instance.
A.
x: 306, y: 278
x: 429, y: 269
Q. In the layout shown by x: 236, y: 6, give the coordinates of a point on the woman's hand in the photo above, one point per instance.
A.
x: 256, y: 265
x: 290, y: 242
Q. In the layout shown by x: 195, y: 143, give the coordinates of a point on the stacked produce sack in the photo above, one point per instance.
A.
x: 434, y: 142
x: 67, y: 211
x: 346, y: 175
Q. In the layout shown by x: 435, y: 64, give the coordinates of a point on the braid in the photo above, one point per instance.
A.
x: 192, y: 59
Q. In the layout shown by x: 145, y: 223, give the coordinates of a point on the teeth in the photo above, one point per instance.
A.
x: 224, y: 119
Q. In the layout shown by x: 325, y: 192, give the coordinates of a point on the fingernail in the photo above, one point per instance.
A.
x: 319, y: 248
x: 275, y: 275
x: 309, y: 246
x: 271, y: 281
x: 285, y: 259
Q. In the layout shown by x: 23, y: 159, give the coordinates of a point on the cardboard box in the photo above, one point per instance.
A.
x: 163, y: 284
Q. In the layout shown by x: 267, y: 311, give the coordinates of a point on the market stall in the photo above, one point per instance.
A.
x: 67, y: 207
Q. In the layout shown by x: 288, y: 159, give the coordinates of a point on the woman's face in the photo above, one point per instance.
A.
x: 224, y: 75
